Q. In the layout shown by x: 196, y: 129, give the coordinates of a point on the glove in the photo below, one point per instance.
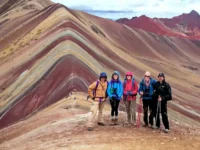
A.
x: 126, y: 93
x: 129, y: 93
x: 113, y: 96
x: 118, y: 97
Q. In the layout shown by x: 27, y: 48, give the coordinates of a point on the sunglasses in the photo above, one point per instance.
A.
x: 147, y: 76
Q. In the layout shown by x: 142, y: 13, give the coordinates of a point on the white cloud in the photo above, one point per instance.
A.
x: 153, y: 8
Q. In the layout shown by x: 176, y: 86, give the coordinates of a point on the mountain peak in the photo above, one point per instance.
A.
x: 144, y: 16
x: 193, y: 12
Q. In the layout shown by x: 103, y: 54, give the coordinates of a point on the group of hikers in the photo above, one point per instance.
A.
x: 154, y: 96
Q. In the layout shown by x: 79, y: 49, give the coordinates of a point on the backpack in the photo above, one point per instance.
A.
x: 133, y: 85
x: 94, y: 91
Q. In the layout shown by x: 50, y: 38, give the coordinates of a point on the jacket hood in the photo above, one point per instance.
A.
x: 129, y: 73
x: 116, y: 73
x: 103, y: 74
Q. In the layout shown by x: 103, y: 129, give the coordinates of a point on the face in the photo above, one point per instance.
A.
x: 103, y: 79
x: 115, y: 77
x: 160, y: 78
x: 128, y: 77
x: 146, y: 78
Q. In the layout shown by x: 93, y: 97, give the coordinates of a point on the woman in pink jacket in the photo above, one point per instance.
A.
x: 129, y: 97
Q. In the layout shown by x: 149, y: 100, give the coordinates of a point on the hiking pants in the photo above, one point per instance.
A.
x: 131, y: 111
x: 96, y: 106
x: 163, y: 112
x: 147, y: 105
x: 114, y: 107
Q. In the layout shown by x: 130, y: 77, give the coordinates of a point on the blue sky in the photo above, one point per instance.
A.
x: 115, y: 9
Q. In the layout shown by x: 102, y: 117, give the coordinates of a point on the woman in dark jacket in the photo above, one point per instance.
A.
x: 162, y: 95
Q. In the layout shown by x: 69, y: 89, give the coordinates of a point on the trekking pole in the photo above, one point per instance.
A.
x: 157, y: 113
x: 139, y: 112
x: 160, y: 106
x: 160, y: 110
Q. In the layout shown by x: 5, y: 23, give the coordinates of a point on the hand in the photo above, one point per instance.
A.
x: 119, y: 98
x: 159, y: 99
x: 130, y: 93
x: 127, y: 93
x: 141, y: 93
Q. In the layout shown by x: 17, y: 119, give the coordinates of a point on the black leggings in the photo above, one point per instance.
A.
x: 147, y: 105
x: 163, y: 111
x: 114, y: 107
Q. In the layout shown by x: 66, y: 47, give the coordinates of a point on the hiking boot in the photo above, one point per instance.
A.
x: 145, y: 125
x: 166, y: 130
x: 101, y: 124
x: 134, y: 124
x: 112, y: 122
x: 155, y: 127
x: 127, y: 123
x: 90, y: 128
x: 116, y: 121
x: 150, y: 126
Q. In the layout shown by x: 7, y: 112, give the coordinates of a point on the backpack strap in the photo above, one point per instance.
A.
x: 94, y: 91
x: 125, y: 80
x: 133, y: 85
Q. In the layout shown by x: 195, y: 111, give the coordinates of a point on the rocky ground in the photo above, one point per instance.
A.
x: 63, y: 126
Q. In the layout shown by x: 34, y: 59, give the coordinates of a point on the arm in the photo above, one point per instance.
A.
x: 108, y: 90
x: 154, y: 83
x: 91, y: 88
x: 121, y: 90
x: 135, y: 90
x: 124, y: 89
x: 140, y: 88
x: 169, y: 94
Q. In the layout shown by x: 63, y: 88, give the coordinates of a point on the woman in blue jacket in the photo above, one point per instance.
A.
x: 146, y: 90
x: 115, y: 91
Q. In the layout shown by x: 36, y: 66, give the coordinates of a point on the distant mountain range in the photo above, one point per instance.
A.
x: 183, y: 26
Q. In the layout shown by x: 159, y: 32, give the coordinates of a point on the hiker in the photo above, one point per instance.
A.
x: 162, y: 94
x: 97, y: 91
x: 146, y: 91
x: 129, y: 97
x: 115, y: 91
